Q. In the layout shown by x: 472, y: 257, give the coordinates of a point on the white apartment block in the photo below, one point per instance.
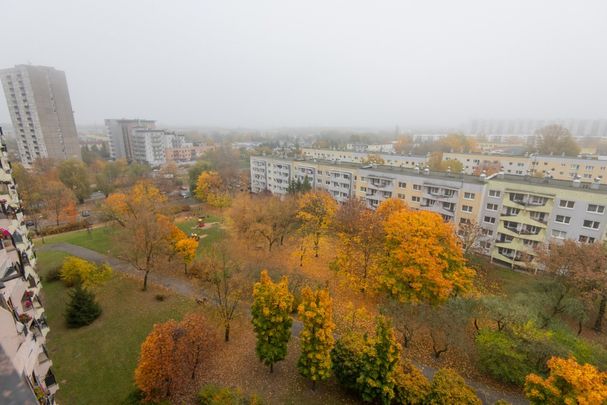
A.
x: 41, y: 112
x: 516, y: 213
x: 347, y: 156
x: 25, y: 367
x: 120, y: 135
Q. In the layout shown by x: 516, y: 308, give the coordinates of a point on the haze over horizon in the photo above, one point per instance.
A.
x: 313, y: 64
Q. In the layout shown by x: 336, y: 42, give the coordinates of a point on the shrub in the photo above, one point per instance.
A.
x: 501, y: 357
x: 215, y: 395
x: 53, y: 274
x: 448, y: 388
x: 412, y: 387
x: 347, y: 360
x: 77, y: 271
x: 72, y: 226
x: 82, y: 308
x: 159, y: 297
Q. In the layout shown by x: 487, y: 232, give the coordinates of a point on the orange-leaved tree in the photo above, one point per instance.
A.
x: 186, y: 249
x: 567, y: 383
x: 424, y: 260
x: 144, y: 237
x: 316, y: 211
x: 389, y: 207
x: 172, y: 356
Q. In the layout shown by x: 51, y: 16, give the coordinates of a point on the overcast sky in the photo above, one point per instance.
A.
x: 316, y: 63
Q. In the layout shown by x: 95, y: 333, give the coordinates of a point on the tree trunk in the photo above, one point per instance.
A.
x: 598, y: 324
x: 313, y: 385
x: 145, y: 280
x: 271, y: 368
x: 227, y: 333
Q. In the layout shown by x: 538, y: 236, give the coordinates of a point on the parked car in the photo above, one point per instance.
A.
x: 30, y: 223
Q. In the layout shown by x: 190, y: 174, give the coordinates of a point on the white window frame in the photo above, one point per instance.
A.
x: 467, y: 208
x: 566, y: 219
x: 469, y: 196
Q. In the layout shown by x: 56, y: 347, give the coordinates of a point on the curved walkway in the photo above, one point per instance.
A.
x: 177, y: 285
x: 487, y: 394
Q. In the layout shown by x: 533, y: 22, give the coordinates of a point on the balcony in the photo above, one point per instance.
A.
x: 51, y: 382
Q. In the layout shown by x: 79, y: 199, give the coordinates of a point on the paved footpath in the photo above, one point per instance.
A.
x: 487, y: 394
x: 177, y: 285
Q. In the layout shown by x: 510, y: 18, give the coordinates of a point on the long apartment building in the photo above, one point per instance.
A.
x: 515, y: 213
x: 558, y: 167
x: 26, y: 376
x: 41, y: 112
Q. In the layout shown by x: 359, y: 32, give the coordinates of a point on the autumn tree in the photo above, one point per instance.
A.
x: 186, y: 249
x: 316, y: 338
x: 403, y: 144
x: 424, y: 260
x: 576, y: 269
x: 556, y: 140
x: 471, y: 234
x: 59, y: 202
x: 271, y: 313
x: 389, y: 207
x: 373, y: 159
x: 264, y: 218
x: 74, y: 175
x: 110, y: 175
x: 298, y: 186
x: 568, y: 382
x: 457, y: 142
x: 221, y: 272
x: 31, y: 189
x: 360, y: 234
x: 316, y: 211
x: 80, y: 272
x: 210, y: 188
x: 436, y: 163
x: 144, y: 234
x: 172, y: 356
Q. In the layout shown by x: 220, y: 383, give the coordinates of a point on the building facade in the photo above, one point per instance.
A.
x: 186, y: 153
x: 120, y: 135
x: 514, y: 214
x: 23, y: 324
x: 347, y: 156
x: 41, y: 112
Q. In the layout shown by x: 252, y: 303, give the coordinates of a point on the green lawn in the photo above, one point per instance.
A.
x: 99, y: 239
x: 213, y: 233
x: 94, y: 364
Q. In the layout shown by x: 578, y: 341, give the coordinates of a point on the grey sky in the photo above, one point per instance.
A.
x: 311, y: 63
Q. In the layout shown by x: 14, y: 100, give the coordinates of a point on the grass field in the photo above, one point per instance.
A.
x: 99, y: 239
x: 213, y: 233
x: 94, y: 364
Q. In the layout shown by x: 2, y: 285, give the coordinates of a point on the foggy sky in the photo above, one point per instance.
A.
x: 316, y: 63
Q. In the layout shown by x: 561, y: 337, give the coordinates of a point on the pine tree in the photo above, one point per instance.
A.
x: 82, y: 308
x: 272, y: 305
x: 316, y: 338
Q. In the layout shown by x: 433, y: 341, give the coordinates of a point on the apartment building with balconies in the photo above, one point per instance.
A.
x: 23, y: 323
x: 524, y: 213
x: 515, y: 214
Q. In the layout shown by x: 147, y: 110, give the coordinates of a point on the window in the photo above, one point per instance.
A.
x: 492, y: 207
x: 469, y: 196
x: 363, y: 189
x: 489, y: 220
x: 487, y: 232
x: 415, y: 199
x: 562, y: 219
x: 465, y: 221
x: 591, y: 224
x: 494, y: 193
x: 417, y: 187
x: 401, y: 184
x: 558, y: 234
x: 597, y: 209
x: 566, y: 204
x: 401, y: 196
x: 467, y: 208
x: 586, y: 239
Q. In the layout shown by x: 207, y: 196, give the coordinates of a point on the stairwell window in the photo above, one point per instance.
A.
x: 492, y: 207
x: 468, y: 196
x: 489, y: 220
x: 562, y: 219
x: 494, y: 193
x: 466, y: 208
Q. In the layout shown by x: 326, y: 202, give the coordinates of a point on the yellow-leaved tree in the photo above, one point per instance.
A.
x: 316, y: 338
x: 316, y: 211
x: 80, y: 272
x: 186, y: 250
x: 567, y: 383
x: 424, y: 260
x: 210, y: 188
